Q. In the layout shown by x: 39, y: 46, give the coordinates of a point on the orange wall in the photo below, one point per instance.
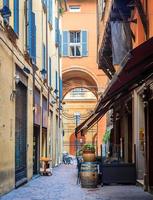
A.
x: 138, y: 29
x: 86, y: 19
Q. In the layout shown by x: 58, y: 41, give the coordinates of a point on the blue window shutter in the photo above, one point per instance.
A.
x: 50, y: 11
x: 44, y: 57
x: 61, y: 90
x: 50, y: 71
x: 16, y: 16
x: 60, y: 44
x: 29, y: 25
x: 84, y: 43
x: 56, y: 31
x: 33, y: 39
x: 65, y: 43
x: 56, y: 81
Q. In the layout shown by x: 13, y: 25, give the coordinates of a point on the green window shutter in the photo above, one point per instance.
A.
x: 65, y: 43
x: 84, y: 43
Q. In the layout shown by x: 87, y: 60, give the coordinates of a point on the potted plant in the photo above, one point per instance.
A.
x: 88, y: 153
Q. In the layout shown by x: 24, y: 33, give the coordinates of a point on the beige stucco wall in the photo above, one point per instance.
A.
x: 7, y: 116
x: 7, y: 106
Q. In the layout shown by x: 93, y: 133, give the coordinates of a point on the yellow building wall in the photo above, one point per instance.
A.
x: 7, y: 86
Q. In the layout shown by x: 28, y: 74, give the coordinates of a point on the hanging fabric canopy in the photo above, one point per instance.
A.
x: 137, y: 68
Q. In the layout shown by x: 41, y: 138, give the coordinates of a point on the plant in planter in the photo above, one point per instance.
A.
x: 89, y: 148
x: 89, y: 153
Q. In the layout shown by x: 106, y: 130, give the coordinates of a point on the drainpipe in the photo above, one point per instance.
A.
x: 47, y: 71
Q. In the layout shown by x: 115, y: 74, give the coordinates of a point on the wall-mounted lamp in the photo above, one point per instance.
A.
x: 30, y: 90
x: 17, y: 78
x: 5, y: 12
x: 55, y: 91
x: 53, y: 102
x: 25, y: 69
x: 43, y: 71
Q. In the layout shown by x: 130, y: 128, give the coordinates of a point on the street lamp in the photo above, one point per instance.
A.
x: 77, y: 121
x: 5, y: 12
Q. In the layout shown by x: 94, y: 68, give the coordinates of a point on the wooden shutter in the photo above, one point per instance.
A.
x: 44, y: 57
x: 65, y: 43
x: 33, y: 39
x: 84, y: 43
x: 16, y: 16
x: 57, y: 31
x: 29, y: 21
x: 50, y: 2
x: 61, y: 90
x: 50, y: 71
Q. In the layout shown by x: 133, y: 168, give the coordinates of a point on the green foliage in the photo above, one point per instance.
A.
x: 88, y: 147
x: 106, y: 136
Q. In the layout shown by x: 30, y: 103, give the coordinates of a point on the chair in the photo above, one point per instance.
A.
x: 79, y: 161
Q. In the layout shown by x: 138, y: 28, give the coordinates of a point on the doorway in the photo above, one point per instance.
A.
x: 36, y: 149
x: 44, y: 142
x: 20, y: 134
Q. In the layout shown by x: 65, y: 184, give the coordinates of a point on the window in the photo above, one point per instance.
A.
x: 75, y: 44
x: 78, y: 92
x: 74, y: 8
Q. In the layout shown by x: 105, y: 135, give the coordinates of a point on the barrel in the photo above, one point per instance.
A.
x: 89, y: 175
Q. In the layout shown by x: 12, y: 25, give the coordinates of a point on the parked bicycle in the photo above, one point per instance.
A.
x: 67, y: 159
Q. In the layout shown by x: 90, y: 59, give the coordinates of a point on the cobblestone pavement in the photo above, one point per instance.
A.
x: 62, y: 186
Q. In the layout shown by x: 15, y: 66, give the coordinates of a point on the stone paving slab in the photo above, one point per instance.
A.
x: 62, y: 186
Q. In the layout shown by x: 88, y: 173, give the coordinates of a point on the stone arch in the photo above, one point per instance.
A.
x: 79, y: 77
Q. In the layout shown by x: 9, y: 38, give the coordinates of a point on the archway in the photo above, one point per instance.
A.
x: 79, y: 78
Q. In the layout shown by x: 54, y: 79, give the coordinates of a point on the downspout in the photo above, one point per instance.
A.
x: 47, y: 75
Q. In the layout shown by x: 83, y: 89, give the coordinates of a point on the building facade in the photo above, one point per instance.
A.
x: 78, y: 50
x: 124, y: 50
x: 30, y: 91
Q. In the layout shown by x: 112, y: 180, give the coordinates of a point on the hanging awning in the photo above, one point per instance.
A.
x: 94, y: 117
x: 137, y: 68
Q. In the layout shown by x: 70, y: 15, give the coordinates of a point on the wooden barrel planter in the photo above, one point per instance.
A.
x: 89, y: 156
x: 89, y: 175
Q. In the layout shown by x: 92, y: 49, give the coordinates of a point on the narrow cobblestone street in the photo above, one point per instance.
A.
x: 62, y: 186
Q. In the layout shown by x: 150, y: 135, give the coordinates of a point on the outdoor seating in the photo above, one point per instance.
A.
x: 79, y: 161
x: 46, y: 168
